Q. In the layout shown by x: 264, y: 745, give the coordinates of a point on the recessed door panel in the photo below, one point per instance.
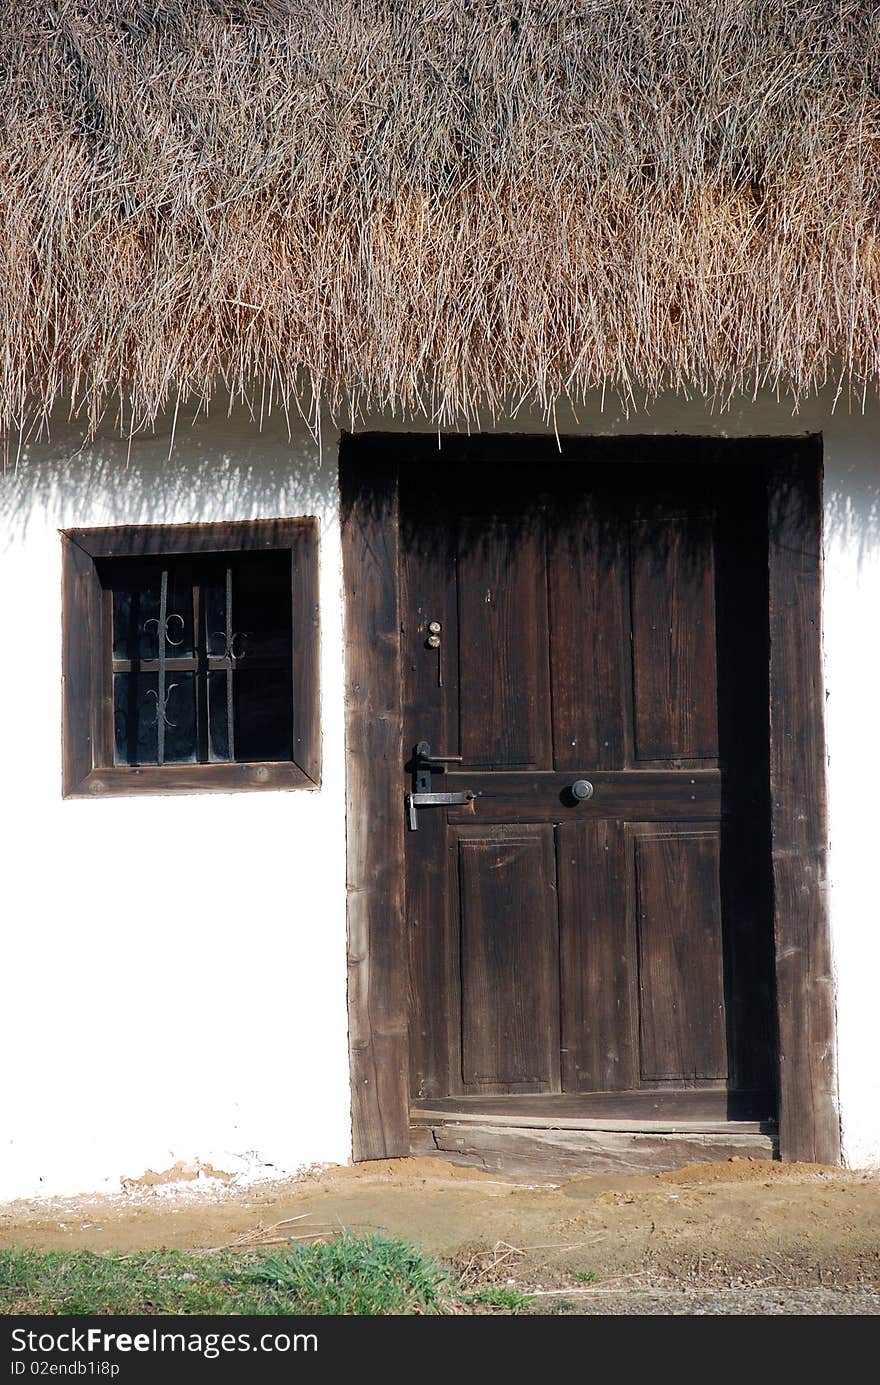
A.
x: 503, y: 640
x: 681, y: 968
x: 509, y: 958
x: 588, y: 558
x: 599, y: 998
x: 673, y: 639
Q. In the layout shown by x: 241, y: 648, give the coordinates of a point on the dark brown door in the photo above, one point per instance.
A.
x: 597, y: 619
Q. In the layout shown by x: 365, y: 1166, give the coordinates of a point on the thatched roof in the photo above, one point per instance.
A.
x: 441, y: 205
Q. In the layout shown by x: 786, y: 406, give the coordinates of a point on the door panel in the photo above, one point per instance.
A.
x: 599, y: 1045
x: 431, y: 912
x: 588, y: 562
x: 603, y: 622
x: 681, y: 978
x: 673, y: 639
x: 509, y: 959
x: 503, y: 644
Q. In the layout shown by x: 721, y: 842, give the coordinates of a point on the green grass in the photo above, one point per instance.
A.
x: 351, y: 1275
x: 354, y: 1275
x: 498, y: 1296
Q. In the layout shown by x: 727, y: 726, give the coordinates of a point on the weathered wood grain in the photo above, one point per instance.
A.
x: 377, y: 952
x: 523, y: 1151
x: 598, y: 963
x: 125, y: 541
x: 671, y: 1104
x: 681, y: 977
x: 640, y: 795
x: 509, y: 958
x: 590, y: 660
x: 427, y: 1119
x: 808, y: 1121
x: 429, y: 594
x: 673, y: 638
x: 305, y: 607
x: 504, y: 670
x: 81, y: 662
x: 111, y: 781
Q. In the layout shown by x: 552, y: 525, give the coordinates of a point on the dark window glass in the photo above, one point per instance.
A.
x: 201, y: 656
x: 135, y: 698
x: 214, y: 600
x: 218, y: 717
x: 180, y: 719
x: 137, y: 719
x: 261, y: 600
x: 137, y: 603
x: 262, y: 732
x: 135, y: 620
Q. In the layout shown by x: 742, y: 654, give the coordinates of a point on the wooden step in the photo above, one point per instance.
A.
x: 535, y: 1148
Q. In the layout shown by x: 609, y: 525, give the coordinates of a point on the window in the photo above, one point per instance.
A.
x: 190, y: 658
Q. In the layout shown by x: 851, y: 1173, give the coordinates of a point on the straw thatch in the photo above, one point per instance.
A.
x: 438, y: 205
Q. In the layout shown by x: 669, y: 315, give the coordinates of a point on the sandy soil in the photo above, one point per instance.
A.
x: 667, y: 1238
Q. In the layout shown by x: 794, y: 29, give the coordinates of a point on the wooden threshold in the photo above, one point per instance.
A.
x: 691, y: 1104
x: 545, y: 1136
x: 635, y: 1127
x: 551, y: 1153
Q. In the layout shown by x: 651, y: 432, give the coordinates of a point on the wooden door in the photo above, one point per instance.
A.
x: 601, y: 621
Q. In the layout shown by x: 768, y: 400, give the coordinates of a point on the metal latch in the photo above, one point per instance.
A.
x: 433, y: 800
x: 423, y: 794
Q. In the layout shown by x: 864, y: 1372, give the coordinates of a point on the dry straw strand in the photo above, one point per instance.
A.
x: 442, y: 207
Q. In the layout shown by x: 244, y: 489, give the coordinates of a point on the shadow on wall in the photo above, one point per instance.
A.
x: 852, y: 510
x: 225, y: 465
x: 215, y: 467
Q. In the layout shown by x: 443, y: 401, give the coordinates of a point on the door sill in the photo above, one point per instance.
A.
x: 669, y: 1104
x: 568, y: 1136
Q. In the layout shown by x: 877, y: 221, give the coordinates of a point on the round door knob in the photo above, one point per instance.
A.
x: 581, y: 789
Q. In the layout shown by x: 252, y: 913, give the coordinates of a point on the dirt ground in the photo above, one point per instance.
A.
x: 740, y: 1237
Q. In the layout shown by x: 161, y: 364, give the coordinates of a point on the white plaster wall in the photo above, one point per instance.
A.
x: 172, y: 969
x: 138, y: 1026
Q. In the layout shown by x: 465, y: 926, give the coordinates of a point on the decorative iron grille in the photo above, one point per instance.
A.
x: 201, y: 659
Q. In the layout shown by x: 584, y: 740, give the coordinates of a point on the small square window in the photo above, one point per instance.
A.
x: 190, y: 658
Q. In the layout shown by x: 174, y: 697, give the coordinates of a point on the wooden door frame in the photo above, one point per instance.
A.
x: 378, y: 969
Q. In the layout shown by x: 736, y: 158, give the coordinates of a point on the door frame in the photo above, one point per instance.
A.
x: 378, y: 966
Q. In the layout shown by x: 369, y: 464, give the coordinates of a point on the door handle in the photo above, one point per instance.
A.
x: 424, y: 764
x: 422, y: 795
x: 422, y: 754
x: 433, y: 800
x: 581, y: 790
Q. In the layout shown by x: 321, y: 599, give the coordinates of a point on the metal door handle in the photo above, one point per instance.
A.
x: 581, y: 790
x: 422, y: 795
x: 433, y: 800
x: 423, y: 755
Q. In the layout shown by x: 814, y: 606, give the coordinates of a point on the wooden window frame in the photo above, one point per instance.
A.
x: 378, y: 992
x: 88, y: 770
